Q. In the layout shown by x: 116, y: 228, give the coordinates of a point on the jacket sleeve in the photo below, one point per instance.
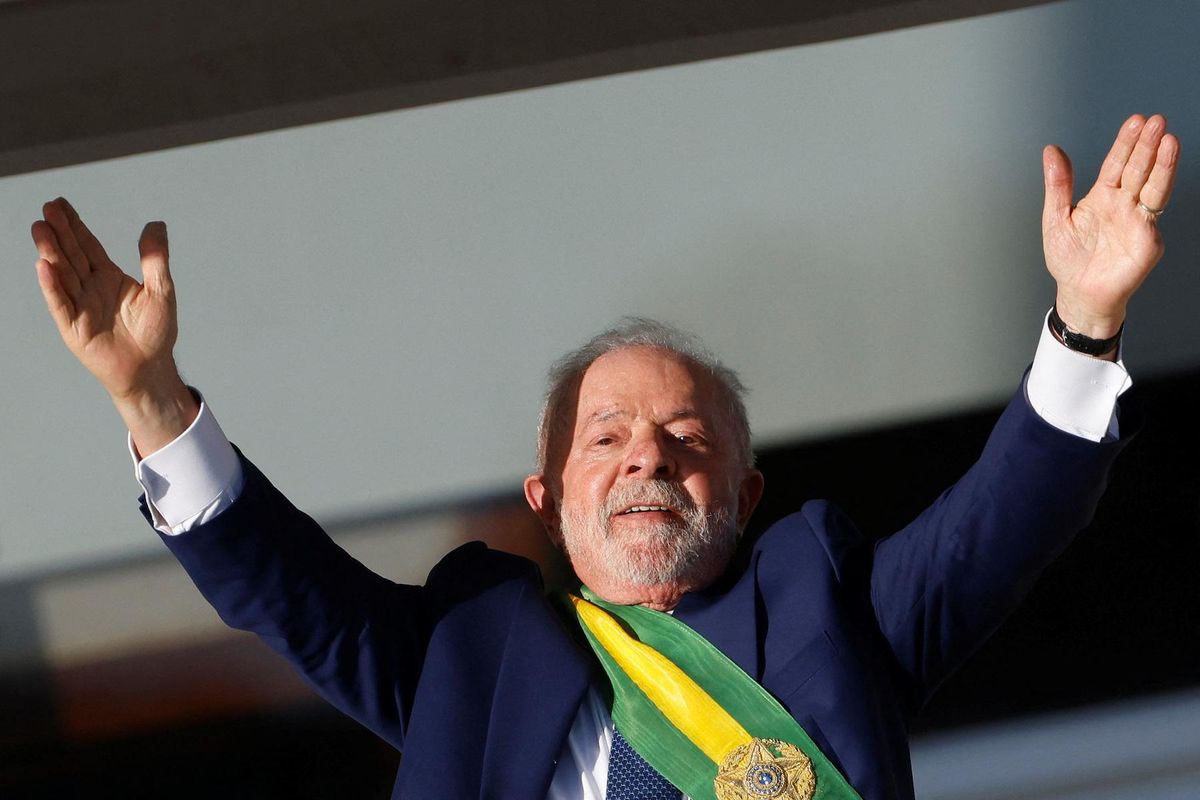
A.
x: 945, y: 582
x: 268, y: 568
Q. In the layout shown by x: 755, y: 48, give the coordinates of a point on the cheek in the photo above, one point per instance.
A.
x: 712, y: 490
x: 586, y: 489
x: 582, y: 539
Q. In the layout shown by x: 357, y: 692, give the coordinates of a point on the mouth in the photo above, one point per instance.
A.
x: 647, y: 509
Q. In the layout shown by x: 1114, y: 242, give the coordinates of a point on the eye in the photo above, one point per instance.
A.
x: 690, y: 438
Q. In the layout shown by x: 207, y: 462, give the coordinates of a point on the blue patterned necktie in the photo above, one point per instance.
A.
x: 631, y: 778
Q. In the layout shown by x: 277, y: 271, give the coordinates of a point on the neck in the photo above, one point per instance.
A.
x: 660, y: 598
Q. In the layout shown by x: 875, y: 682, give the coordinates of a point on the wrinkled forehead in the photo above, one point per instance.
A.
x: 640, y: 383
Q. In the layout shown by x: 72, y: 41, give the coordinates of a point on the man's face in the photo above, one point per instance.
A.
x: 652, y: 495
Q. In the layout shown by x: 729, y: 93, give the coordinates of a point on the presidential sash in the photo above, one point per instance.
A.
x: 697, y: 717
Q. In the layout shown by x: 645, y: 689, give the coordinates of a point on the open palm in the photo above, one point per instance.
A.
x: 121, y: 330
x: 1100, y: 250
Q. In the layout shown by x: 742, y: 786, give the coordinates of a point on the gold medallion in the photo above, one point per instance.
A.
x: 765, y: 768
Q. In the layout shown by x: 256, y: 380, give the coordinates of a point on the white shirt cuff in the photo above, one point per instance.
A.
x: 1075, y: 392
x: 193, y: 478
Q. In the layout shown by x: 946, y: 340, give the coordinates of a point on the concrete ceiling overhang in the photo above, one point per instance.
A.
x: 82, y: 80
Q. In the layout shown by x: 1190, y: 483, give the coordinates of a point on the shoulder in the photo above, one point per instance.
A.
x: 476, y: 558
x: 819, y: 538
x: 478, y: 576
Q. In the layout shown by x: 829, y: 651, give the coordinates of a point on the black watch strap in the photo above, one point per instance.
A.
x: 1077, y: 341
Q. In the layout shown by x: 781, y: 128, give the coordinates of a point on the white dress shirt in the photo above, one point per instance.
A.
x: 198, y: 475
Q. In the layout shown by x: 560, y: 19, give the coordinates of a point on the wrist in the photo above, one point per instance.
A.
x: 1092, y: 324
x: 156, y: 415
x: 1078, y: 342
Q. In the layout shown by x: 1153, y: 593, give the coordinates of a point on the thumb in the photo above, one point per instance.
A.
x: 152, y: 245
x: 1056, y: 171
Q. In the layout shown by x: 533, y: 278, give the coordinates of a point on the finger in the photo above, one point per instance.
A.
x: 1059, y: 180
x: 152, y: 245
x: 62, y: 310
x: 1141, y: 160
x: 1157, y: 191
x: 92, y: 249
x: 56, y: 216
x: 47, y: 246
x: 1118, y: 155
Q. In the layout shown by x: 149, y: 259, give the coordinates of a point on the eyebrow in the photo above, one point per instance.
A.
x: 609, y: 414
x: 604, y: 415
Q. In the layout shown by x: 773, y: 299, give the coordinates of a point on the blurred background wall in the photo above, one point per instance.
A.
x: 387, y: 219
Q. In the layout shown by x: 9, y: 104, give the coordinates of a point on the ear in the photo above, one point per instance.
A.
x: 749, y: 493
x: 541, y: 500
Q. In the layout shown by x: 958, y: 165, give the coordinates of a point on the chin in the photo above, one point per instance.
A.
x: 655, y: 566
x: 655, y: 574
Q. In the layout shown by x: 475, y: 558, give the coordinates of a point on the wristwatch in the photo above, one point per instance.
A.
x: 1077, y: 341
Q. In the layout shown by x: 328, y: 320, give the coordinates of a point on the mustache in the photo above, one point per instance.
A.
x: 649, y: 493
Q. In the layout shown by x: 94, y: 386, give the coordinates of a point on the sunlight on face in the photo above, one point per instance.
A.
x: 677, y: 550
x: 653, y: 491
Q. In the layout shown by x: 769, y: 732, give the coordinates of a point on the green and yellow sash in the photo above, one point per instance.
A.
x: 697, y: 717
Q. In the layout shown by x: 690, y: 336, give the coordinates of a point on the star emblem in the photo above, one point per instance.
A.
x: 765, y: 769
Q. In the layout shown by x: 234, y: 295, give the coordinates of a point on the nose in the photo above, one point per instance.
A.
x: 648, y: 457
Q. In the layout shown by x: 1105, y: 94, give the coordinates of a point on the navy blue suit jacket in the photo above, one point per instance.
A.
x: 476, y: 680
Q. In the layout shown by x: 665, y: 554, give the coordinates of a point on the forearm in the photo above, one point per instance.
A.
x: 942, y: 584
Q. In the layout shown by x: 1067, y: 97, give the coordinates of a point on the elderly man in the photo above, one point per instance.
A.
x: 795, y: 677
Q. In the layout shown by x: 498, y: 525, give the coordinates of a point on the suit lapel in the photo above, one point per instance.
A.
x: 542, y: 682
x: 726, y: 616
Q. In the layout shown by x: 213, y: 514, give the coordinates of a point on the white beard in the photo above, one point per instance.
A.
x: 672, y: 552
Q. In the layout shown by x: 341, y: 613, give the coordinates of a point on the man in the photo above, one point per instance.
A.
x: 646, y: 480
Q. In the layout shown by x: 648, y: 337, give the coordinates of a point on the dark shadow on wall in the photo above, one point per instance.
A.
x: 26, y: 696
x: 133, y: 76
x: 308, y: 753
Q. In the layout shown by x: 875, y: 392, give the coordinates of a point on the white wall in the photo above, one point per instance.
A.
x: 370, y: 304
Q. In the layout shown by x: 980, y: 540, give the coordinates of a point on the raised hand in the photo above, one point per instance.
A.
x: 121, y: 330
x: 1102, y: 248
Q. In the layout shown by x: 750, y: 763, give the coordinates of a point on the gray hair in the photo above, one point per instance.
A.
x: 567, y: 372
